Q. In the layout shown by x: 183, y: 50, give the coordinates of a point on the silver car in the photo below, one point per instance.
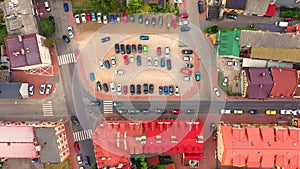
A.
x: 153, y: 22
x: 160, y: 21
x: 147, y: 21
x: 105, y: 39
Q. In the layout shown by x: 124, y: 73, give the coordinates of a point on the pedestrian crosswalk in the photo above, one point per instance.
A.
x: 66, y: 59
x: 47, y: 108
x: 82, y: 135
x: 107, y: 106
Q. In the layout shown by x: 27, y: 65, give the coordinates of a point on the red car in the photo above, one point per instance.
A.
x: 174, y: 23
x: 184, y: 15
x: 88, y: 16
x: 126, y: 60
x: 125, y: 17
x: 175, y: 111
x: 76, y: 147
x: 125, y: 89
x: 288, y: 19
x: 158, y: 51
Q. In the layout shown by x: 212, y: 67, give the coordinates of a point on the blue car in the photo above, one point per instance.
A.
x: 197, y: 76
x: 94, y: 18
x: 143, y: 37
x: 166, y: 90
x: 107, y: 64
x: 66, y: 7
x: 92, y: 76
x: 112, y: 19
x: 145, y: 111
x: 162, y: 62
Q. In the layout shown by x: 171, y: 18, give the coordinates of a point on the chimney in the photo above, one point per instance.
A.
x: 260, y: 86
x: 20, y: 38
x: 263, y: 74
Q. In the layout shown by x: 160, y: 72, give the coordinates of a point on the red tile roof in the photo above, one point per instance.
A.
x: 271, y: 10
x: 114, y: 141
x: 18, y: 150
x: 16, y: 134
x: 28, y: 44
x: 290, y: 29
x: 283, y: 87
x: 259, y: 146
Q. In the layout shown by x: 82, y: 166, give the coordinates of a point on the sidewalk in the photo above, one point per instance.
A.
x: 73, y: 154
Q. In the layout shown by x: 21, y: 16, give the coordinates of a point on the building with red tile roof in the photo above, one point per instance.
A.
x: 115, y: 141
x: 285, y: 82
x: 271, y: 10
x: 27, y: 52
x: 258, y: 146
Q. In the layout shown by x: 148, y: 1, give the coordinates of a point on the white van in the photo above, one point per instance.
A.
x: 47, y: 6
x: 112, y: 87
x: 281, y: 24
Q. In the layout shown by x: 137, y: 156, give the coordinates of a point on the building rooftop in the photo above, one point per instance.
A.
x: 257, y: 7
x: 268, y: 27
x: 213, y: 12
x: 236, y: 4
x: 278, y: 54
x: 47, y: 139
x: 271, y: 10
x: 229, y: 43
x: 22, y: 50
x: 283, y: 87
x: 13, y: 90
x: 259, y: 147
x: 16, y: 134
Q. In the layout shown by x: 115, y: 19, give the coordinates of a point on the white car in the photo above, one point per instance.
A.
x: 83, y: 17
x: 48, y: 89
x: 216, y: 91
x: 167, y: 51
x: 149, y: 62
x: 31, y: 90
x: 112, y: 86
x: 70, y: 31
x: 187, y: 78
x: 77, y: 18
x: 101, y: 64
x: 296, y: 112
x: 119, y: 72
x: 79, y: 159
x: 187, y: 58
x: 119, y: 89
x: 225, y: 111
x: 183, y: 22
x: 47, y: 6
x: 99, y: 18
x: 105, y: 21
x: 238, y: 111
x: 42, y: 88
x: 131, y: 58
x: 225, y: 81
x: 156, y: 61
x: 113, y: 61
x: 177, y: 90
x: 287, y: 112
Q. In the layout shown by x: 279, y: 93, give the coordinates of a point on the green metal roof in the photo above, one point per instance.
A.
x: 229, y: 43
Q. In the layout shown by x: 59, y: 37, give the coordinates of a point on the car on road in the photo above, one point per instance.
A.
x: 128, y: 49
x: 149, y: 60
x: 158, y: 51
x: 105, y: 87
x: 74, y: 120
x: 101, y: 64
x: 140, y: 48
x: 79, y: 158
x: 98, y: 84
x: 105, y: 20
x: 138, y: 60
x: 140, y: 19
x: 95, y: 103
x: 94, y: 17
x: 144, y: 37
x: 175, y: 111
x: 271, y: 112
x: 126, y: 60
x: 238, y: 111
x: 77, y: 18
x: 184, y: 15
x: 225, y: 111
x: 70, y: 31
x: 112, y: 86
x: 252, y: 111
x: 119, y: 72
x: 66, y: 39
x: 88, y: 16
x: 216, y: 91
x: 185, y: 29
x: 231, y: 16
x: 187, y: 58
x: 131, y: 58
x: 161, y: 111
x: 187, y: 51
x: 122, y: 46
x: 117, y: 48
x: 99, y: 17
x: 147, y: 21
x: 113, y: 61
x: 105, y: 39
x: 132, y: 89
x: 47, y: 6
x: 87, y: 161
x: 212, y: 128
x: 169, y: 65
x: 167, y: 52
x: 177, y: 90
x: 166, y: 90
x: 48, y: 88
x: 160, y: 22
x: 225, y: 81
x: 197, y: 76
x: 119, y: 89
x: 42, y: 88
x: 153, y: 22
x: 145, y: 49
x: 30, y: 90
x: 287, y: 112
x: 112, y: 19
x: 190, y: 111
x: 83, y: 17
x: 125, y: 17
x: 92, y: 76
x: 76, y: 147
x: 189, y: 65
x: 145, y: 111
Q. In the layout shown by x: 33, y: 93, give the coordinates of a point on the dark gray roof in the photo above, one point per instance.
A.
x: 213, y: 12
x: 47, y: 139
x: 268, y: 27
x: 257, y: 7
x: 13, y: 90
x: 236, y: 4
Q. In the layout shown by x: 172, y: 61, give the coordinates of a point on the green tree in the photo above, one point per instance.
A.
x: 292, y: 14
x: 138, y: 6
x: 108, y: 6
x: 94, y: 166
x: 211, y: 30
x: 47, y: 26
x: 49, y: 42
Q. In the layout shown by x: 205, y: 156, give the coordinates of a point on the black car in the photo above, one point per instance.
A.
x: 133, y: 47
x: 252, y: 111
x: 51, y: 18
x: 231, y: 16
x: 161, y: 90
x: 165, y: 159
x: 161, y: 111
x: 138, y: 60
x: 140, y: 48
x: 212, y: 128
x: 128, y: 50
x: 171, y: 90
x: 122, y: 49
x: 105, y: 87
x: 117, y: 48
x: 138, y: 89
x: 66, y: 39
x: 95, y: 103
x: 151, y: 88
x: 132, y: 89
x: 185, y: 29
x: 153, y: 22
x: 105, y: 39
x: 87, y: 161
x: 200, y: 6
x: 187, y: 51
x: 145, y: 88
x: 74, y: 120
x: 99, y: 87
x: 169, y: 66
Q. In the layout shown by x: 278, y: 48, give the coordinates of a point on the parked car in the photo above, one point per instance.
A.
x: 187, y: 78
x: 138, y: 89
x: 232, y: 63
x: 105, y: 87
x: 88, y: 16
x: 147, y: 21
x: 225, y: 81
x: 162, y: 62
x: 122, y: 49
x: 238, y: 111
x: 288, y: 19
x: 216, y: 91
x: 225, y: 111
x: 271, y: 112
x: 112, y: 19
x: 160, y: 21
x: 140, y: 19
x: 98, y: 84
x: 177, y: 90
x: 117, y: 48
x: 167, y: 52
x: 66, y: 39
x: 145, y: 111
x: 83, y: 17
x: 166, y: 90
x: 95, y: 103
x: 231, y: 16
x: 92, y: 76
x: 183, y: 22
x: 79, y: 158
x: 99, y: 17
x: 131, y: 58
x: 200, y: 6
x: 212, y: 128
x: 112, y: 86
x: 158, y: 51
x: 160, y: 90
x: 145, y: 87
x: 175, y: 111
x: 140, y: 48
x: 190, y: 111
x: 105, y: 20
x: 187, y: 58
x: 48, y: 89
x: 287, y: 112
x: 143, y: 37
x: 87, y: 161
x: 161, y: 111
x: 171, y: 90
x: 153, y: 22
x: 138, y: 60
x: 101, y: 64
x: 126, y: 60
x: 151, y: 88
x: 47, y: 6
x: 125, y: 89
x: 42, y: 88
x: 77, y: 18
x: 169, y: 65
x: 107, y: 64
x: 76, y: 147
x: 105, y: 39
x: 51, y: 18
x: 185, y: 29
x: 133, y: 48
x: 74, y: 120
x: 197, y: 76
x: 125, y: 17
x: 132, y: 89
x: 113, y: 61
x: 70, y: 31
x: 156, y: 61
x: 128, y: 49
x: 119, y: 72
x: 145, y: 49
x: 252, y: 111
x: 187, y: 51
x: 168, y: 21
x: 122, y: 111
x: 186, y: 71
x: 132, y: 18
x: 94, y: 17
x: 119, y: 89
x: 281, y: 24
x: 164, y: 159
x: 118, y: 18
x: 189, y: 65
x: 30, y: 90
x: 149, y: 60
x: 174, y: 23
x: 184, y: 15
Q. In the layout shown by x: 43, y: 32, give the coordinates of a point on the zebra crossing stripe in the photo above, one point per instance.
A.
x: 66, y: 59
x: 82, y: 135
x: 47, y: 108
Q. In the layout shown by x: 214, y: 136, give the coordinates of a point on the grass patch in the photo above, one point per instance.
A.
x: 3, y: 34
x: 82, y: 4
x: 227, y: 89
x: 64, y: 165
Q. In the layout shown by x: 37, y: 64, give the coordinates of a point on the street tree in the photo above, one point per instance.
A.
x: 138, y: 6
x: 107, y: 6
x: 47, y: 26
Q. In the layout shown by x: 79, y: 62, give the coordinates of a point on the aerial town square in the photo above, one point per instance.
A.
x: 150, y: 84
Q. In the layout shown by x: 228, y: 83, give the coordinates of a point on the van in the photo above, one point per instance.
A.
x: 281, y: 24
x: 200, y: 6
x: 186, y: 71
